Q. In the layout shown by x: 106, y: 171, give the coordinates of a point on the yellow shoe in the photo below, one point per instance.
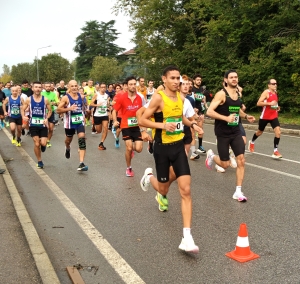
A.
x: 14, y: 141
x: 48, y: 144
x: 18, y: 144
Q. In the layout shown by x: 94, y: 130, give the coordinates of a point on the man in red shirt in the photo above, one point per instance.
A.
x: 269, y: 101
x: 128, y: 103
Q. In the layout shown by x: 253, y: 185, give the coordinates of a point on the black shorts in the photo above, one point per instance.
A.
x: 243, y: 132
x: 236, y: 143
x: 187, y: 139
x: 1, y: 111
x: 71, y: 131
x: 98, y: 119
x: 38, y: 131
x: 132, y: 133
x: 51, y: 119
x: 17, y: 121
x: 262, y: 123
x: 167, y: 155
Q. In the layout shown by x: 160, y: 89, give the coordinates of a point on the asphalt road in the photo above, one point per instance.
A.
x: 78, y: 214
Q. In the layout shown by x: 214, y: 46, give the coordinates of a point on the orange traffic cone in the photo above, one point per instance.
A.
x: 242, y: 252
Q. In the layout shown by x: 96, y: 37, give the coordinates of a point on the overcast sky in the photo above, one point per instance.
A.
x: 27, y: 25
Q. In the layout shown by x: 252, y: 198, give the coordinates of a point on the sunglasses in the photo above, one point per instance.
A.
x: 273, y: 83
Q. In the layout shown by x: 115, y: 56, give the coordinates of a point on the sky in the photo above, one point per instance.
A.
x: 27, y: 25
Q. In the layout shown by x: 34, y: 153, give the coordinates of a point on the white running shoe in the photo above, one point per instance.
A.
x: 219, y: 169
x: 209, y: 159
x: 239, y: 197
x: 233, y: 163
x: 145, y: 181
x: 187, y: 244
x: 194, y: 156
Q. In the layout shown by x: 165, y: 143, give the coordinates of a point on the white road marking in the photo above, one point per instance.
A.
x: 273, y: 171
x: 256, y: 153
x: 122, y: 268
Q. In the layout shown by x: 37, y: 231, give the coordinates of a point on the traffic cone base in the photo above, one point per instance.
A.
x: 239, y: 258
x: 242, y: 252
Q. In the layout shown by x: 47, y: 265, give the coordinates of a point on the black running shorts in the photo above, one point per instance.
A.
x: 236, y: 143
x: 132, y: 133
x: 71, y: 131
x: 17, y: 121
x: 172, y: 154
x: 98, y: 119
x: 38, y: 131
x: 262, y: 123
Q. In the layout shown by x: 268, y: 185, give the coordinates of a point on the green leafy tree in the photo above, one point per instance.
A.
x: 105, y: 70
x: 96, y: 39
x: 23, y: 71
x: 54, y: 68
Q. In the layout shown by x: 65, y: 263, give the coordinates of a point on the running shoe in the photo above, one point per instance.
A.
x: 101, y: 147
x: 233, y: 163
x: 68, y: 153
x: 276, y: 155
x: 2, y: 124
x: 87, y: 123
x: 129, y: 172
x: 239, y: 196
x: 163, y: 203
x: 43, y: 148
x: 251, y: 146
x: 18, y: 144
x: 145, y: 181
x: 48, y: 144
x: 117, y: 143
x: 40, y: 165
x: 82, y: 167
x: 114, y: 132
x: 209, y: 159
x: 201, y: 150
x: 23, y: 131
x: 150, y: 147
x: 7, y: 124
x: 219, y: 169
x: 14, y: 141
x: 194, y: 156
x: 94, y: 132
x: 187, y: 244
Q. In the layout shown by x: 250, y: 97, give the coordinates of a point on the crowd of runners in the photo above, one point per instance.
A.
x: 168, y: 118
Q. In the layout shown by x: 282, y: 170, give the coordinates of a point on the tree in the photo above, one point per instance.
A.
x: 105, y: 70
x: 23, y: 71
x: 6, y: 70
x: 96, y: 39
x: 54, y: 68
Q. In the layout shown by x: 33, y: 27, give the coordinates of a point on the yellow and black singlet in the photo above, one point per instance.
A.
x: 172, y: 112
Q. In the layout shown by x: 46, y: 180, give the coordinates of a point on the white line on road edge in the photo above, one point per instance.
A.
x: 123, y: 269
x: 256, y: 153
x: 39, y: 254
x: 274, y: 171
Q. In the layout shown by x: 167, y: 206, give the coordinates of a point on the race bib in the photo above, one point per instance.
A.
x: 37, y: 121
x: 179, y: 125
x: 199, y: 96
x: 15, y: 111
x: 77, y: 118
x: 102, y: 109
x: 274, y: 107
x: 132, y: 121
x: 236, y: 120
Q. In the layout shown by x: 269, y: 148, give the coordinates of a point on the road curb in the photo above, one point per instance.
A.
x: 267, y: 129
x: 42, y: 261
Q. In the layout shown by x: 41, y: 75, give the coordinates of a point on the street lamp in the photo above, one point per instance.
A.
x: 37, y: 61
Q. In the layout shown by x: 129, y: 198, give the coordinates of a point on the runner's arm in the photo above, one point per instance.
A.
x: 25, y: 106
x: 62, y: 105
x: 261, y: 101
x: 48, y: 108
x: 93, y: 101
x: 4, y: 106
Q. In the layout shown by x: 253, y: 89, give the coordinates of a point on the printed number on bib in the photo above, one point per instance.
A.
x: 199, y: 96
x: 37, y: 121
x: 274, y: 107
x: 132, y: 121
x: 102, y: 109
x: 77, y: 118
x: 15, y: 110
x: 179, y: 125
x: 236, y: 120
